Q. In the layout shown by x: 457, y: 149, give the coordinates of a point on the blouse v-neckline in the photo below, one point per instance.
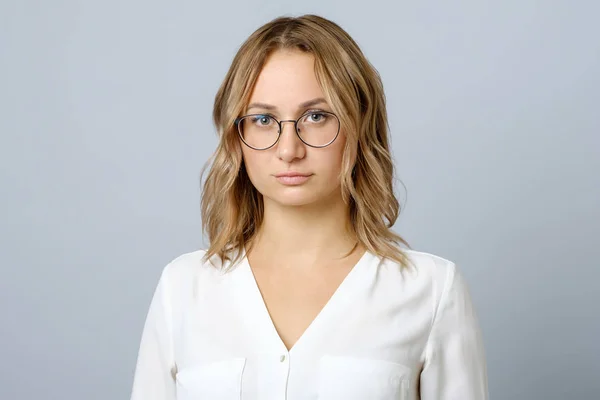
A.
x: 251, y: 297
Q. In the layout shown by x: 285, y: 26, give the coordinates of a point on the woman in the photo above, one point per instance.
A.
x: 304, y: 291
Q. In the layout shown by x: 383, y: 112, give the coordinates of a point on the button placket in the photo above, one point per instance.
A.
x: 284, y: 366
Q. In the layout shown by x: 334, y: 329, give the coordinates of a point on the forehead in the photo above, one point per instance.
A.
x: 287, y: 79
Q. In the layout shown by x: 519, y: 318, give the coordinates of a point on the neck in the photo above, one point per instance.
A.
x: 307, y: 233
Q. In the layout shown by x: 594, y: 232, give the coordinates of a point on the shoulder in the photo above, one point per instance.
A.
x: 186, y: 263
x: 187, y: 267
x: 430, y: 265
x: 429, y: 272
x: 188, y: 276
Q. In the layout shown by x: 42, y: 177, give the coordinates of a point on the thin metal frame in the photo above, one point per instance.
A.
x: 295, y: 121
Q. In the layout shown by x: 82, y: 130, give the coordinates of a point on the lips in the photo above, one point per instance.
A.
x: 291, y: 174
x: 292, y: 178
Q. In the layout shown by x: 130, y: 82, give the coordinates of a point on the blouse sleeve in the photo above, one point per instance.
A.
x: 455, y: 366
x: 155, y: 368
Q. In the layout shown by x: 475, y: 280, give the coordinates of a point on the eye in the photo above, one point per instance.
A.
x: 262, y: 120
x: 316, y: 117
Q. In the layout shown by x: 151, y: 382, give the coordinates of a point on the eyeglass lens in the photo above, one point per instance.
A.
x: 315, y: 129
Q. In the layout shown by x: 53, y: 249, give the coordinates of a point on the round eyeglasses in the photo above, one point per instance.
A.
x: 314, y: 128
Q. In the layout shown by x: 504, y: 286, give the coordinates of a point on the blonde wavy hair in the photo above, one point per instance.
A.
x: 232, y: 209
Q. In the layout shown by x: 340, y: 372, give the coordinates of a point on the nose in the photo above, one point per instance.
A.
x: 289, y: 146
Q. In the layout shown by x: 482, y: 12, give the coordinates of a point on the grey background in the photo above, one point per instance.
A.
x: 105, y: 124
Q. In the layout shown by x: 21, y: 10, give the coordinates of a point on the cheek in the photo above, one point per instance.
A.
x: 252, y: 161
x: 330, y: 162
x: 337, y: 152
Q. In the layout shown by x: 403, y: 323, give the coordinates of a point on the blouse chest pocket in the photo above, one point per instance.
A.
x: 352, y: 378
x: 220, y: 380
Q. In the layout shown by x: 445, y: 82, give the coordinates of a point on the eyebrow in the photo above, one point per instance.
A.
x: 306, y: 104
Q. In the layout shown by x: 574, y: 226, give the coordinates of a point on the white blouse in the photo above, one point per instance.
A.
x: 386, y: 333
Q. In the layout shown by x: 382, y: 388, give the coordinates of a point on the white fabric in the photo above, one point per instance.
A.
x: 387, y: 333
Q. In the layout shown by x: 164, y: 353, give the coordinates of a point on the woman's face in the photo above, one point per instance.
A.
x: 285, y: 85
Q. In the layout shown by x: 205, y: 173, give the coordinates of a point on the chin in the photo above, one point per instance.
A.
x: 293, y: 201
x: 297, y: 196
x: 293, y: 196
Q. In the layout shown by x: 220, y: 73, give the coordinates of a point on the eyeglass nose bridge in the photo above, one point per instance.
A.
x: 280, y: 123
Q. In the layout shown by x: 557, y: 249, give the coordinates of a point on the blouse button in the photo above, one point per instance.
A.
x: 282, y: 358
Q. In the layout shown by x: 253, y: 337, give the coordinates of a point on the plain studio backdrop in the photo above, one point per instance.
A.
x: 105, y: 122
